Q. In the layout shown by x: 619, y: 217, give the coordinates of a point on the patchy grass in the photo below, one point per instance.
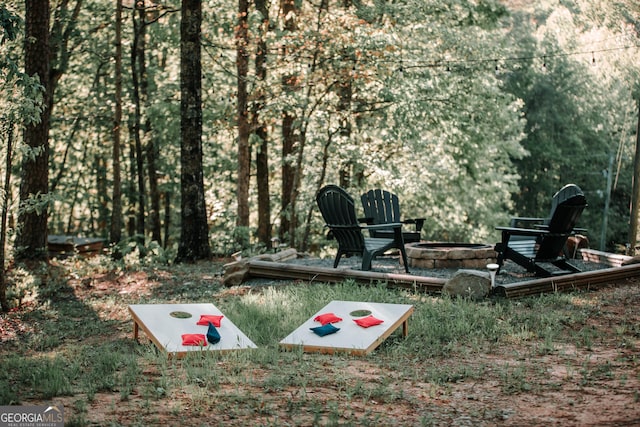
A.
x: 546, y: 360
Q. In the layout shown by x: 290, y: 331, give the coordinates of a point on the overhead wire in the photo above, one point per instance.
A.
x: 497, y: 60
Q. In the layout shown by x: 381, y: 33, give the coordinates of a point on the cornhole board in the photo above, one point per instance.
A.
x: 351, y: 337
x: 164, y: 324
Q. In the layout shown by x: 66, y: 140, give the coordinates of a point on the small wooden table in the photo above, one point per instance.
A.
x: 64, y: 246
x: 164, y: 324
x: 351, y: 337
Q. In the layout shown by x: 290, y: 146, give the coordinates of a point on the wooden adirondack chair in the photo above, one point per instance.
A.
x: 338, y: 210
x: 383, y: 207
x: 538, y: 249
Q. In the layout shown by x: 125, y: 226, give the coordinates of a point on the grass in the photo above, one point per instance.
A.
x: 81, y: 350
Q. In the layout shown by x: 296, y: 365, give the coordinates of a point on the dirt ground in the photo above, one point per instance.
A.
x: 594, y: 386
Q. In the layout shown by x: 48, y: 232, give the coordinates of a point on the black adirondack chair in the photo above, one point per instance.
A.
x: 383, y: 207
x: 541, y: 248
x: 565, y: 192
x: 338, y: 210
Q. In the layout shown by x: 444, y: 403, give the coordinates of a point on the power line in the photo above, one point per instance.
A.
x: 497, y: 60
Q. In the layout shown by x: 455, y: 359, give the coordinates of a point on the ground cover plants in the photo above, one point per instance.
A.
x: 559, y: 359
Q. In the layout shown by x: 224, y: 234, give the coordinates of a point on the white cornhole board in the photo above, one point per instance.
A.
x: 165, y: 329
x: 351, y: 337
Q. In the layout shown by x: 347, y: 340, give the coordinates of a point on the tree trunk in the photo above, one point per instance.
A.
x: 288, y: 176
x: 167, y: 218
x: 151, y: 147
x: 635, y: 193
x: 31, y: 240
x: 264, y: 199
x: 53, y: 183
x: 103, y: 200
x: 70, y: 227
x: 131, y: 183
x: 115, y: 233
x: 154, y: 193
x: 194, y: 234
x: 290, y: 83
x: 260, y: 130
x: 4, y: 304
x: 345, y: 92
x: 244, y: 157
x: 301, y: 139
x: 137, y: 61
x: 319, y: 185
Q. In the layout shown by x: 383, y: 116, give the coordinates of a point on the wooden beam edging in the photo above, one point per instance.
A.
x: 564, y: 283
x: 568, y: 282
x: 278, y: 270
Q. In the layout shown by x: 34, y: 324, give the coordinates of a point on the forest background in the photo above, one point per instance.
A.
x: 472, y: 111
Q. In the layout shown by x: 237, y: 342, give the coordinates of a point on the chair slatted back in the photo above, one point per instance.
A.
x: 338, y: 211
x: 381, y: 206
x: 566, y: 209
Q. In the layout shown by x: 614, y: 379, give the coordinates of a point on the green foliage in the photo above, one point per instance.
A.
x: 37, y: 203
x: 20, y: 94
x: 579, y: 118
x: 427, y: 115
x: 9, y: 22
x: 429, y: 135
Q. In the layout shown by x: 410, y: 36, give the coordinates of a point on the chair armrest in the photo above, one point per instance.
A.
x: 392, y: 225
x: 522, y: 231
x: 514, y: 231
x: 526, y: 220
x: 366, y: 220
x: 419, y: 222
x: 395, y: 226
x: 382, y: 226
x: 573, y: 231
x: 346, y: 227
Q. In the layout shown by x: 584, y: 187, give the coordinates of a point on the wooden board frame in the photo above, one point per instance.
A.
x: 351, y: 338
x: 165, y: 330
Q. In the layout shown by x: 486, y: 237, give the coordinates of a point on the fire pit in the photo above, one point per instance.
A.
x: 450, y: 255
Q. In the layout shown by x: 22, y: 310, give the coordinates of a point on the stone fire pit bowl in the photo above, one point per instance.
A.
x: 450, y: 255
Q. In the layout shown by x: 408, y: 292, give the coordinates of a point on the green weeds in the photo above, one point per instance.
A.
x: 36, y: 377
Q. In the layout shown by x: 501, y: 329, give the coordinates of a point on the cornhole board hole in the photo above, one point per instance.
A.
x: 164, y: 324
x: 351, y: 337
